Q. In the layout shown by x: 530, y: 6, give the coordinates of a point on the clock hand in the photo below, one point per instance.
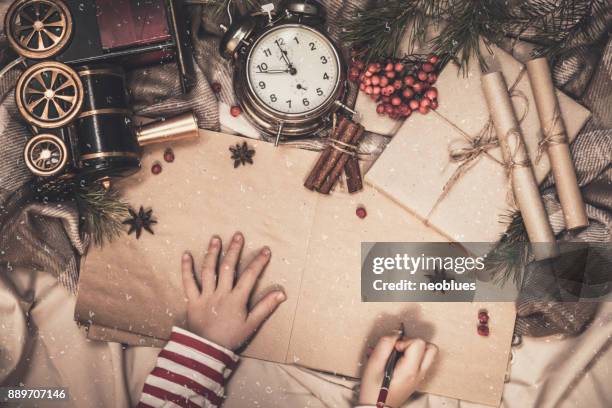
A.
x: 273, y: 71
x: 284, y: 55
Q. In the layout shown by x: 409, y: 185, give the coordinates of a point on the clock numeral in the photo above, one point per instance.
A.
x: 280, y: 41
x: 267, y: 52
x: 319, y: 92
x: 323, y: 59
x: 305, y: 101
x: 325, y: 76
x: 289, y: 102
x: 296, y: 40
x: 263, y: 67
x: 273, y: 98
x: 262, y: 85
x: 312, y: 46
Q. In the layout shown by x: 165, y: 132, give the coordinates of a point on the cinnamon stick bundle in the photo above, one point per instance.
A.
x: 334, y: 159
x: 340, y: 129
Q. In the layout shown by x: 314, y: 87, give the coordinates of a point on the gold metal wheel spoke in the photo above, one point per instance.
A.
x: 29, y: 38
x: 41, y: 44
x: 45, y: 112
x: 26, y: 16
x: 53, y: 37
x: 50, y: 12
x: 65, y: 85
x: 22, y: 28
x: 60, y: 23
x: 66, y: 98
x: 34, y: 104
x: 38, y: 77
x: 58, y: 108
x: 33, y: 91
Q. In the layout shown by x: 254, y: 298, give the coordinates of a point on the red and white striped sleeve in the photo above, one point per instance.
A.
x: 190, y: 372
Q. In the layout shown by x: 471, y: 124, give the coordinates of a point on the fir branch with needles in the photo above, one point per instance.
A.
x: 556, y: 25
x: 511, y: 253
x: 470, y: 21
x: 376, y: 33
x: 102, y: 212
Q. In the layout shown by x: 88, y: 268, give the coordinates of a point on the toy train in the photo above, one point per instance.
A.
x: 73, y: 92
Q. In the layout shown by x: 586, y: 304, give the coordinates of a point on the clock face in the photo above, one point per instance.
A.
x: 293, y: 69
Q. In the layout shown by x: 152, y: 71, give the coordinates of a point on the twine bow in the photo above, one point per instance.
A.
x: 480, y: 144
x: 549, y: 137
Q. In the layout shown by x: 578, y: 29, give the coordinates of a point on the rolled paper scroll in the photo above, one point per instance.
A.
x: 554, y: 140
x: 524, y: 186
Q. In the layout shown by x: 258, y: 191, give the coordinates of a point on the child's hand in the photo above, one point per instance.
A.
x: 219, y: 311
x: 408, y: 374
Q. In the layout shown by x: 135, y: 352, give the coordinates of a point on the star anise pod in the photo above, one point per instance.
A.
x: 139, y: 221
x: 242, y: 154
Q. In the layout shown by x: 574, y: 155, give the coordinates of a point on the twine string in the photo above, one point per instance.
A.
x: 548, y: 136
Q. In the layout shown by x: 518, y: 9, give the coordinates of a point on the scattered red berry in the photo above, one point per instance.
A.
x: 235, y: 111
x: 361, y: 212
x: 483, y: 317
x: 156, y: 168
x: 433, y: 59
x: 483, y: 330
x: 408, y: 93
x: 396, y: 101
x: 413, y: 104
x: 380, y: 109
x: 168, y: 155
x: 216, y: 87
x: 422, y: 75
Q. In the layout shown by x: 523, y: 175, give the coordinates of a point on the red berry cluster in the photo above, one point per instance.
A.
x: 400, y: 87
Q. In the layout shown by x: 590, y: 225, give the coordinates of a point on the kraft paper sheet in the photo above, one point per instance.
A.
x: 130, y: 291
x: 415, y: 166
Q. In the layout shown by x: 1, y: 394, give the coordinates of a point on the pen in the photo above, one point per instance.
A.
x: 389, y: 368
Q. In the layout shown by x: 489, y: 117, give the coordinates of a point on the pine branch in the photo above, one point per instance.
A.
x: 511, y: 253
x: 470, y: 21
x: 376, y: 33
x: 102, y: 212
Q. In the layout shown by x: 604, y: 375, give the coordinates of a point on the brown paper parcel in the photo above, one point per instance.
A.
x: 130, y: 291
x: 415, y: 167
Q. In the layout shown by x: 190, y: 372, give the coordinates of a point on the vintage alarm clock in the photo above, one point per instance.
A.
x: 289, y: 75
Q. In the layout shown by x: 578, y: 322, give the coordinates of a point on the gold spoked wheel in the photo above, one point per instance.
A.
x: 45, y: 155
x: 49, y: 94
x: 38, y: 28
